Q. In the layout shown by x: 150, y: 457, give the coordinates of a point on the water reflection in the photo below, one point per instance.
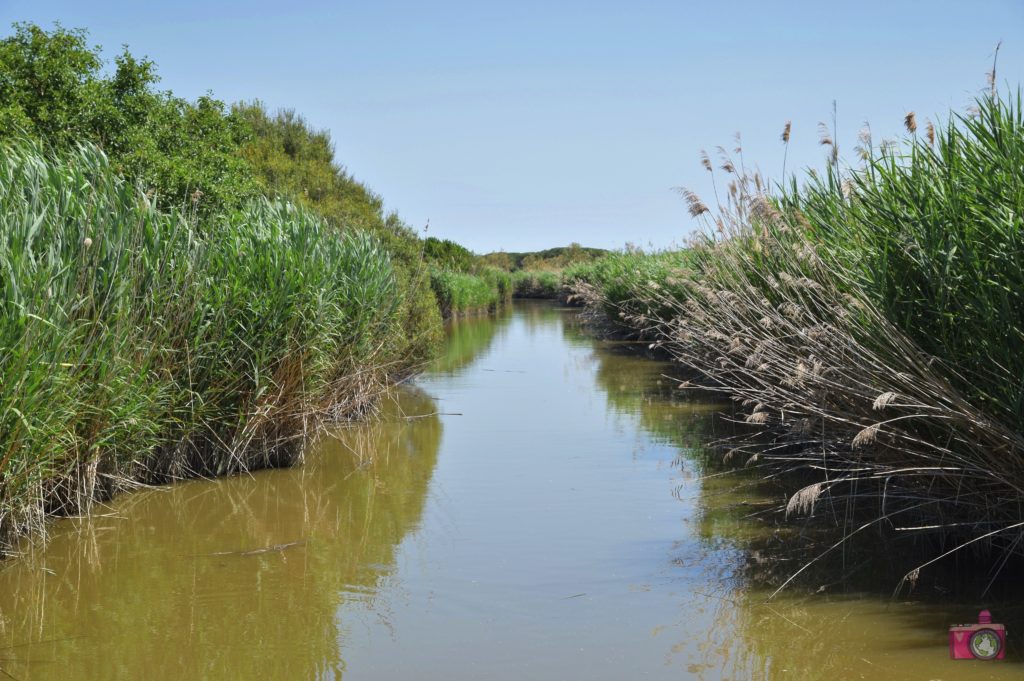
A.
x: 545, y: 506
x: 837, y: 619
x: 466, y: 339
x: 230, y: 579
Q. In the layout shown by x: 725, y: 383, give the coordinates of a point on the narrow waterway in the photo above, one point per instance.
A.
x: 533, y: 507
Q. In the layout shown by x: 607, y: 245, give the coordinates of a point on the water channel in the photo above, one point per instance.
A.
x: 534, y: 506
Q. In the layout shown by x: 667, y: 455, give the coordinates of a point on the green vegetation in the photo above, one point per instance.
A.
x: 461, y: 283
x: 538, y: 274
x: 52, y: 88
x: 292, y: 161
x: 871, y: 321
x: 614, y: 281
x: 201, y: 155
x: 469, y: 293
x: 537, y: 284
x: 142, y: 344
x: 550, y: 259
x: 448, y: 254
x: 160, y: 317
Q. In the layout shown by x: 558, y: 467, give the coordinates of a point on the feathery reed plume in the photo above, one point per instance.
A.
x: 930, y: 132
x: 910, y: 122
x: 824, y: 136
x: 803, y: 501
x: 866, y: 436
x: 992, y: 74
x: 758, y: 417
x: 785, y: 140
x: 864, y: 147
x: 884, y: 400
x: 864, y: 135
x: 693, y: 202
x: 705, y: 161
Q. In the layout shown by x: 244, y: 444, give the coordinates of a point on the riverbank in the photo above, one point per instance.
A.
x: 189, y: 288
x: 144, y: 345
x: 869, y: 325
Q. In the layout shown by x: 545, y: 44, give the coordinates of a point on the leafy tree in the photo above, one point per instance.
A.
x: 448, y: 254
x: 52, y: 88
x: 292, y: 159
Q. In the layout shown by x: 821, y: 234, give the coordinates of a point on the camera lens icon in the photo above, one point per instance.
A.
x: 985, y: 644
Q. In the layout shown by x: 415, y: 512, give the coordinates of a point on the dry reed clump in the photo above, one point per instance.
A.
x: 882, y: 360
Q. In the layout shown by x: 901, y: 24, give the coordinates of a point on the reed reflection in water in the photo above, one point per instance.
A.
x: 540, y: 504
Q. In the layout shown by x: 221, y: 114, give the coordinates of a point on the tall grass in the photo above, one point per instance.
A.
x: 618, y: 282
x: 871, y: 322
x: 537, y: 283
x: 140, y: 344
x: 468, y: 292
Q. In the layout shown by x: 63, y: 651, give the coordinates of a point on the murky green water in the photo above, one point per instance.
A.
x: 530, y: 509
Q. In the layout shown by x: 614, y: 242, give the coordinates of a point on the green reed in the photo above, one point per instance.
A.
x: 871, y: 321
x: 140, y: 344
x: 470, y: 292
x: 537, y: 283
x: 933, y: 232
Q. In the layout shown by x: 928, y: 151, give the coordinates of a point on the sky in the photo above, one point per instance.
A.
x: 525, y: 125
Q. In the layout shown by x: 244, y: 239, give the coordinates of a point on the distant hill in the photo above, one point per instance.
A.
x: 550, y: 259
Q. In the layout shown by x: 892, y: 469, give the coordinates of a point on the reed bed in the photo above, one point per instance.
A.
x: 141, y: 344
x: 537, y: 284
x: 482, y: 290
x: 870, y: 323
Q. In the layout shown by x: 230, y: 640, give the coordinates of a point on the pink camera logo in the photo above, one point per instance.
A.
x: 981, y: 641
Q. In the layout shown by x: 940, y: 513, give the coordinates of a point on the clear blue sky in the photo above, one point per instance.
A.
x: 523, y: 125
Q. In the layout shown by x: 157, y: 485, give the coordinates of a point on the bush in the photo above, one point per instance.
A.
x: 448, y: 254
x: 543, y: 284
x: 185, y: 153
x: 463, y: 293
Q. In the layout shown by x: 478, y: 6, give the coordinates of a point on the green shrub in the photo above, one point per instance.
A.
x: 187, y: 153
x: 448, y: 254
x: 537, y: 284
x: 462, y: 293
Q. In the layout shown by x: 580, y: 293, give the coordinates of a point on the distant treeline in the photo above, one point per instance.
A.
x: 464, y: 282
x: 550, y: 259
